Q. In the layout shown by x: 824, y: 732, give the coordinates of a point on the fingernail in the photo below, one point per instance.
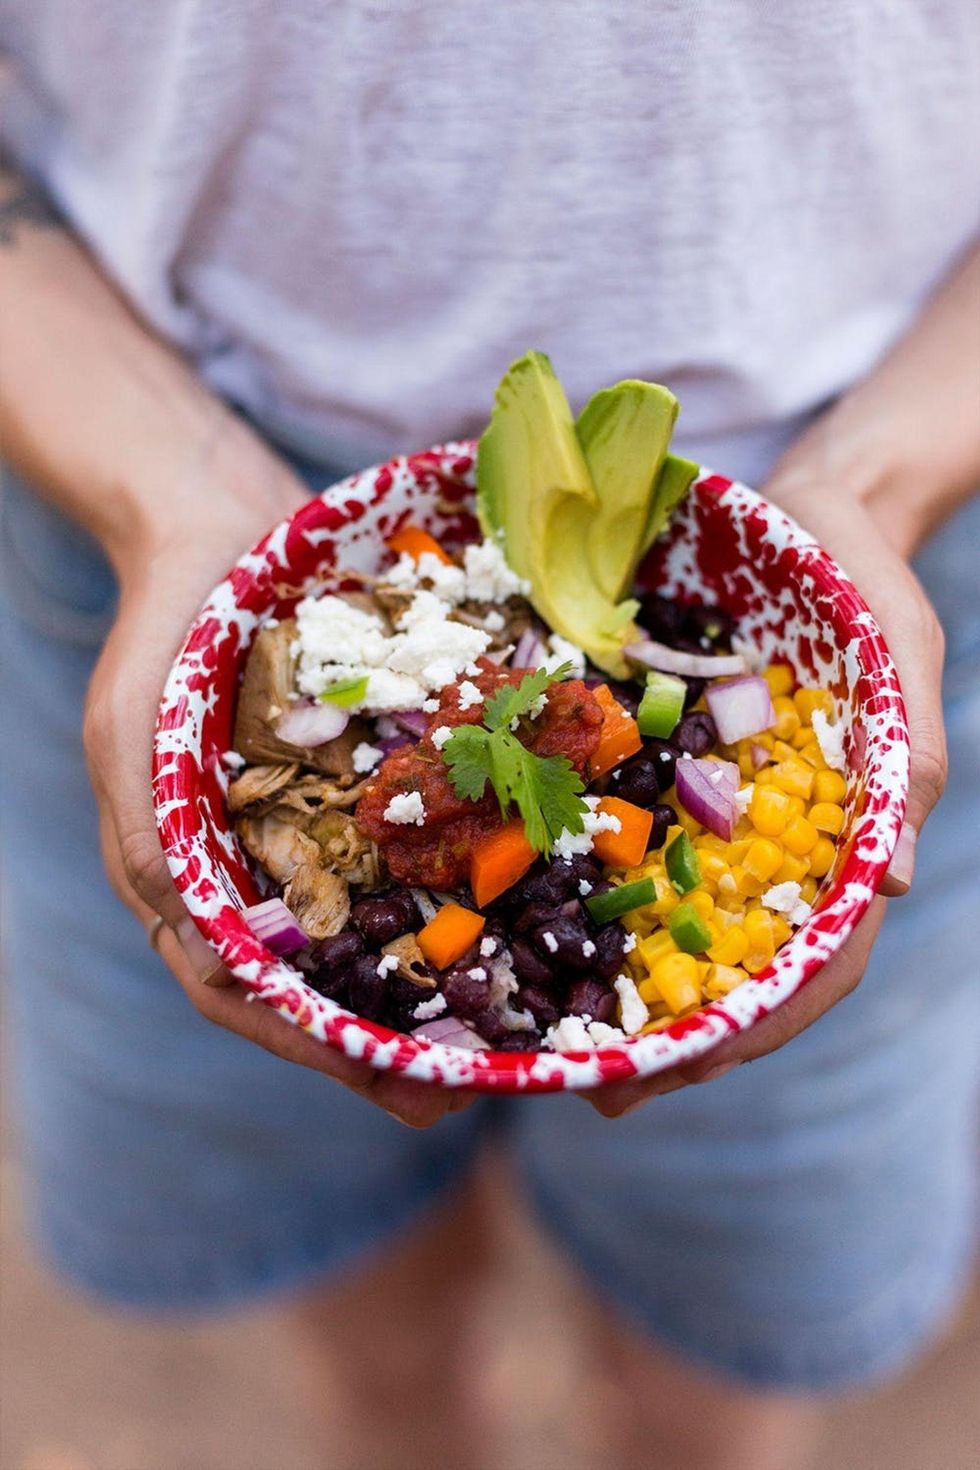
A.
x: 902, y: 866
x: 200, y: 956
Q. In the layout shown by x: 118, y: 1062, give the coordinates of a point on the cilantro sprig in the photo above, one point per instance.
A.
x: 546, y: 790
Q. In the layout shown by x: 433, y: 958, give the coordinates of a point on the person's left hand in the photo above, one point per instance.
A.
x: 846, y: 528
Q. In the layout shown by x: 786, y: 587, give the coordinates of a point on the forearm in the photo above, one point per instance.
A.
x: 101, y: 415
x: 905, y: 440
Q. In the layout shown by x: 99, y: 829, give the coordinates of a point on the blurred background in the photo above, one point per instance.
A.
x: 84, y: 1389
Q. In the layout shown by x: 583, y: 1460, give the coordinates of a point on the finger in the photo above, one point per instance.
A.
x: 839, y: 976
x: 418, y: 1104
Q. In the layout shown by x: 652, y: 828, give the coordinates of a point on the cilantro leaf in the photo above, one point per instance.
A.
x: 546, y: 790
x: 509, y: 702
x: 467, y: 755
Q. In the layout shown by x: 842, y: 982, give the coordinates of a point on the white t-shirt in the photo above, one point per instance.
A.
x: 353, y: 214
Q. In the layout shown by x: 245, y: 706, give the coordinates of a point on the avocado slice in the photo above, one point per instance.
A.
x: 535, y: 495
x: 673, y: 483
x: 624, y: 432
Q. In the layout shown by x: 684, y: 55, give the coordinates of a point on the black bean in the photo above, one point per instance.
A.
x: 694, y: 691
x: 664, y: 756
x: 610, y: 950
x: 533, y: 916
x: 519, y: 1041
x: 710, y: 623
x: 466, y: 994
x: 663, y: 817
x: 583, y: 866
x: 637, y: 781
x: 591, y: 997
x: 662, y: 619
x: 528, y: 964
x: 540, y: 1002
x: 368, y: 990
x: 628, y: 695
x: 562, y: 941
x: 337, y: 951
x: 382, y: 919
x: 489, y: 1025
x: 696, y: 733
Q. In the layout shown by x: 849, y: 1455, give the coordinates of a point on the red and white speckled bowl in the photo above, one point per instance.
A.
x: 726, y: 545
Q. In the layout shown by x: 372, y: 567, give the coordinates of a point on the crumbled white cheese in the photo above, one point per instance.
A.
x: 494, y: 622
x: 338, y: 641
x: 365, y: 757
x: 571, y: 844
x: 537, y: 706
x: 570, y: 1034
x: 585, y: 887
x: 588, y: 949
x: 477, y: 973
x: 786, y: 898
x: 830, y: 738
x: 550, y: 942
x: 447, y: 579
x: 386, y: 964
x: 404, y: 575
x: 488, y: 946
x: 232, y: 760
x: 564, y: 652
x: 427, y: 1010
x: 440, y: 735
x: 629, y: 943
x: 742, y: 797
x: 488, y: 577
x: 405, y: 808
x: 430, y: 706
x: 633, y: 1010
x: 469, y: 695
x: 602, y: 1034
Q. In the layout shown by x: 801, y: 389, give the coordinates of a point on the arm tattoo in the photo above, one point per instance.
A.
x: 27, y: 206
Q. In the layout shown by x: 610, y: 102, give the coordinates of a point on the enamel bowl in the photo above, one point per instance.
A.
x: 726, y: 545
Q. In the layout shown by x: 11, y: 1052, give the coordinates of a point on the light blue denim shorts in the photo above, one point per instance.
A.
x: 806, y: 1222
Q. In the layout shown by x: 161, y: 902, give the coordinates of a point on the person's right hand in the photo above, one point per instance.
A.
x: 165, y: 570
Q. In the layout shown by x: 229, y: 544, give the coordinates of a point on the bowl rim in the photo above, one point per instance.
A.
x: 272, y: 980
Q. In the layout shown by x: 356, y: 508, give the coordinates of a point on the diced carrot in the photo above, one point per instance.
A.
x: 449, y: 934
x: 498, y: 860
x: 416, y: 541
x: 619, y: 737
x: 627, y: 847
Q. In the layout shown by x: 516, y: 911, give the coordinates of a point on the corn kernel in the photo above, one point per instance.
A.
x: 822, y: 857
x: 787, y: 717
x: 688, y: 823
x: 764, y: 777
x: 745, y: 883
x: 758, y: 926
x: 667, y: 898
x: 797, y: 807
x: 763, y: 858
x: 794, y: 869
x: 813, y: 756
x: 731, y: 947
x: 713, y: 866
x: 780, y: 679
x: 769, y: 810
x: 803, y: 738
x: 720, y: 979
x: 794, y: 777
x: 807, y: 700
x: 737, y: 849
x: 829, y: 786
x: 675, y: 977
x: 781, y: 930
x: 746, y: 765
x: 800, y: 836
x: 659, y: 1025
x: 808, y: 890
x: 655, y: 947
x: 827, y: 816
x: 702, y: 903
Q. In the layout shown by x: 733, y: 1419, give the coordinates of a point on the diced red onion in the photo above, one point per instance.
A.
x: 740, y: 707
x: 655, y: 655
x: 394, y: 742
x: 309, y: 723
x: 273, y: 924
x: 425, y: 904
x: 712, y: 803
x: 414, y: 722
x: 449, y: 1031
x: 530, y: 652
x: 759, y: 756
